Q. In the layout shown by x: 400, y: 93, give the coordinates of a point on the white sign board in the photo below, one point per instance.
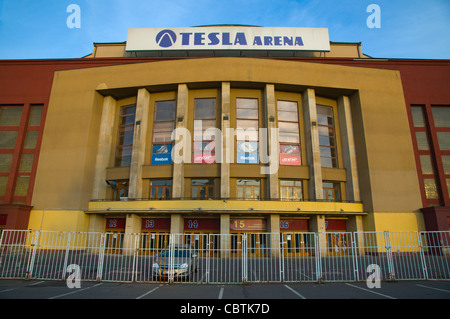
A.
x: 228, y: 38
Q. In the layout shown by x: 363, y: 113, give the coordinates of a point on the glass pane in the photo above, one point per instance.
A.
x: 10, y: 115
x: 8, y: 139
x: 35, y: 116
x: 242, y: 103
x: 165, y: 106
x: 288, y: 138
x: 26, y: 163
x: 247, y: 113
x: 441, y: 116
x: 287, y: 106
x: 167, y: 182
x: 430, y: 188
x: 22, y: 186
x: 247, y: 124
x: 443, y: 140
x: 287, y: 116
x: 417, y: 115
x: 248, y: 182
x: 163, y: 127
x: 288, y: 127
x: 3, y: 182
x: 240, y: 191
x: 425, y: 163
x: 446, y: 163
x: 205, y: 109
x: 164, y: 116
x: 5, y: 162
x: 31, y: 139
x: 324, y: 115
x: 422, y: 141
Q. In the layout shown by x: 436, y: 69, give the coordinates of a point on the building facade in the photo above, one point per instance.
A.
x: 225, y: 140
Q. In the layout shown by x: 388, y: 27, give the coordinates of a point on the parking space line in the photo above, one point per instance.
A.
x: 75, y: 291
x: 294, y: 291
x: 221, y: 293
x: 148, y: 292
x: 368, y: 290
x: 36, y: 283
x: 433, y: 288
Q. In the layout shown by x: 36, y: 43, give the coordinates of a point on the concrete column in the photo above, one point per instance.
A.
x: 225, y: 238
x: 176, y: 224
x: 274, y: 228
x: 312, y: 145
x: 317, y: 225
x: 273, y: 140
x: 104, y: 148
x: 348, y: 149
x: 355, y: 224
x: 139, y: 141
x: 225, y: 163
x: 133, y: 227
x: 181, y: 123
x: 97, y: 224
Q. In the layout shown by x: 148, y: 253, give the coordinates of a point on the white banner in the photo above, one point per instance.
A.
x: 228, y: 38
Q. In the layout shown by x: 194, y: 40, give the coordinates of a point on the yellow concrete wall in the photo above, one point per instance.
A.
x: 59, y: 220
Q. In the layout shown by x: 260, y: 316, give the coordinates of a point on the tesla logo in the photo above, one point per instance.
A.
x: 166, y: 38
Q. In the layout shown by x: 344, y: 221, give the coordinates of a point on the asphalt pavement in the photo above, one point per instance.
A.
x: 262, y: 299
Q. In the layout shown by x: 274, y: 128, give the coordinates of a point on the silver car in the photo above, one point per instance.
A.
x: 179, y: 261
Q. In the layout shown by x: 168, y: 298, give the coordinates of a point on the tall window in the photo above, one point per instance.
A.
x: 160, y: 189
x: 327, y: 137
x: 125, y: 138
x: 289, y: 136
x: 291, y: 190
x: 163, y: 125
x: 441, y: 119
x: 426, y: 156
x: 248, y: 189
x: 20, y: 126
x: 331, y: 192
x: 202, y: 189
x: 247, y: 119
x: 120, y: 189
x: 204, y: 119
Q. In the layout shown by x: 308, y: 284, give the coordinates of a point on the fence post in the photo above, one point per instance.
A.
x: 318, y: 258
x: 134, y: 267
x: 30, y: 265
x: 244, y: 257
x: 355, y: 255
x: 390, y: 259
x: 101, y: 256
x: 66, y: 257
x: 281, y: 254
x: 422, y: 255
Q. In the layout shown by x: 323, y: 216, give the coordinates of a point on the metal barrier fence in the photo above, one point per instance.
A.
x: 224, y: 258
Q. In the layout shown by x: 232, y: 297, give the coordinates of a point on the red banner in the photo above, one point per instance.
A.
x: 294, y: 225
x: 115, y: 223
x: 335, y: 225
x: 202, y: 224
x: 156, y: 224
x: 253, y: 224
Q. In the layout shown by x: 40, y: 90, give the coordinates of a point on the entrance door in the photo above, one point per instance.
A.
x: 114, y: 242
x: 338, y: 244
x: 296, y: 244
x: 153, y: 243
x: 256, y: 244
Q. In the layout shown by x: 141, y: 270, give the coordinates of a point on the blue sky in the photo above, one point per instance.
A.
x: 31, y: 29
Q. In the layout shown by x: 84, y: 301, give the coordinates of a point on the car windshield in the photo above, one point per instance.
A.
x: 176, y: 253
